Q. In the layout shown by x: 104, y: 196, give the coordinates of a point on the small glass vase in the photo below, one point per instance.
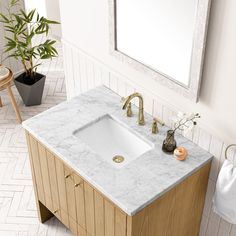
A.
x: 169, y: 144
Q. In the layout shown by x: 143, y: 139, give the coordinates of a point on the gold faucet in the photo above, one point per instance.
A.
x: 156, y: 121
x: 140, y: 115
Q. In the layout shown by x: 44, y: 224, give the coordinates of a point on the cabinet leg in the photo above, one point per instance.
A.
x: 0, y: 102
x: 14, y: 105
x: 43, y: 213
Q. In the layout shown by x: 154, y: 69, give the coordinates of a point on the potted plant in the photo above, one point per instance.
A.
x: 22, y: 28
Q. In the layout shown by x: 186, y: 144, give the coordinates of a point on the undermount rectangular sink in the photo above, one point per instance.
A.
x: 114, y: 142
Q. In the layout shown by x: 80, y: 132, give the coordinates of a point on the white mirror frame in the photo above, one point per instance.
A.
x: 199, y: 41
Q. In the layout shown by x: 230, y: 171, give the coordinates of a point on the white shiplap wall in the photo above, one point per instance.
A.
x: 83, y: 72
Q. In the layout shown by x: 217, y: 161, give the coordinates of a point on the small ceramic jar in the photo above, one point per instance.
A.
x: 180, y: 153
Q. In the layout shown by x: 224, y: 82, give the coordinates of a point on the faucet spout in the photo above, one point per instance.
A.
x: 127, y: 100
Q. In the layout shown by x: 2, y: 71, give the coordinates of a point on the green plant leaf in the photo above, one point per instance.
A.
x: 4, y: 19
x: 52, y: 22
x: 31, y: 15
x: 13, y: 2
x: 9, y: 48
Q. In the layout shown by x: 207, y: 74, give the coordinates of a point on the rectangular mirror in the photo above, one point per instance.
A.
x: 164, y: 38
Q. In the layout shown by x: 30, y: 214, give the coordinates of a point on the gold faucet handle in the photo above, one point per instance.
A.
x: 162, y: 123
x: 155, y: 126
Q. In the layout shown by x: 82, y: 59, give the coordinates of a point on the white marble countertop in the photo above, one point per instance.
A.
x: 131, y: 187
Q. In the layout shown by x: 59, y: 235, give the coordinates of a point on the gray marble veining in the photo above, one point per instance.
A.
x: 135, y: 185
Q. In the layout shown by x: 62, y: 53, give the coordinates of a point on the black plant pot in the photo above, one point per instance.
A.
x: 31, y: 92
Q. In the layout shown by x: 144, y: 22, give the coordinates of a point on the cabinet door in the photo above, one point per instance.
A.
x: 62, y: 191
x: 53, y: 184
x: 70, y: 194
x: 79, y: 197
x: 33, y: 146
x: 45, y: 177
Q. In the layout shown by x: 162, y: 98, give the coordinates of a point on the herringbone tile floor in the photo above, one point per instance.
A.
x: 18, y: 214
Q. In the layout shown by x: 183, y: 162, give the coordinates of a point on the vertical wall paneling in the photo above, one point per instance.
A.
x: 76, y: 69
x: 97, y: 76
x: 90, y: 74
x: 121, y: 88
x: 114, y: 83
x: 148, y: 103
x: 66, y: 70
x: 212, y: 225
x: 204, y: 140
x: 83, y: 68
x: 233, y: 230
x: 224, y: 228
x: 216, y: 147
x: 157, y: 109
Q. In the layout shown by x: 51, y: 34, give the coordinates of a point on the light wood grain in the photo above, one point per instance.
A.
x: 80, y: 203
x: 86, y: 211
x: 43, y: 213
x: 99, y: 214
x: 45, y: 176
x: 70, y: 193
x: 82, y: 231
x: 37, y: 169
x: 14, y: 104
x: 73, y: 226
x: 178, y: 212
x: 109, y: 219
x: 62, y: 192
x: 120, y: 223
x: 6, y: 84
x: 53, y: 184
x: 89, y: 209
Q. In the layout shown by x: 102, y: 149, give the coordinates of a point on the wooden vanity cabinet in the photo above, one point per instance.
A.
x: 62, y: 192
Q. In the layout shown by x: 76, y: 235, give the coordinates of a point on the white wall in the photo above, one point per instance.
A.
x: 11, y: 63
x: 88, y: 63
x: 53, y: 13
x: 40, y: 6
